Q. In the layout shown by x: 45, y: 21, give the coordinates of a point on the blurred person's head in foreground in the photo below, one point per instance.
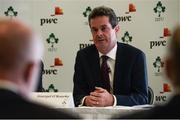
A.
x: 21, y: 50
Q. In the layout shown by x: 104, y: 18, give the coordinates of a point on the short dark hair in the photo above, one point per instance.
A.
x: 104, y: 11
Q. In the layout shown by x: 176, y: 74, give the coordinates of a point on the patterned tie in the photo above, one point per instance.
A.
x: 105, y: 73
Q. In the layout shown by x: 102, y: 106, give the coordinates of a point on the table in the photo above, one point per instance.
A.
x: 104, y: 112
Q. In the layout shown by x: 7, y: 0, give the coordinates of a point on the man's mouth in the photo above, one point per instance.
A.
x: 100, y: 40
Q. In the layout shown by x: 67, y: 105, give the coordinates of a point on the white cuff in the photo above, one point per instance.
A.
x: 82, y: 102
x: 115, y: 101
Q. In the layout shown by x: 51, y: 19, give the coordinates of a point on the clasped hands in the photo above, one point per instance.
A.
x: 99, y: 98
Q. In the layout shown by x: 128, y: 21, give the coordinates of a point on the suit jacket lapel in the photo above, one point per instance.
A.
x: 95, y: 67
x: 119, y: 65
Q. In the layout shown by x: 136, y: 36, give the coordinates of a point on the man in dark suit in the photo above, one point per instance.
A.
x: 126, y: 82
x: 20, y: 54
x: 172, y: 69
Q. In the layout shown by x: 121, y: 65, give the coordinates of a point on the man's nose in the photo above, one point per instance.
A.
x: 99, y: 32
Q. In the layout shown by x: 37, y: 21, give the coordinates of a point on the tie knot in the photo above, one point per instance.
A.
x: 104, y: 57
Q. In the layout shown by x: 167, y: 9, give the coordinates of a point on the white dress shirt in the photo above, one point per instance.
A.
x: 111, y: 63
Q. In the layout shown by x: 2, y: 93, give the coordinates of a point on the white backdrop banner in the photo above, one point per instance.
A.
x: 63, y: 24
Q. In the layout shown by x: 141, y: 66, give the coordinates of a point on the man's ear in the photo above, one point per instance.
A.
x: 117, y: 28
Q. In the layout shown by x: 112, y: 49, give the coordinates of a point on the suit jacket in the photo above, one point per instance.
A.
x: 130, y: 76
x: 167, y: 111
x: 14, y: 106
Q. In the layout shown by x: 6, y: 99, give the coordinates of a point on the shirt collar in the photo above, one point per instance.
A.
x: 112, y: 53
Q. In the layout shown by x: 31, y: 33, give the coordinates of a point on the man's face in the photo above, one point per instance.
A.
x: 104, y: 36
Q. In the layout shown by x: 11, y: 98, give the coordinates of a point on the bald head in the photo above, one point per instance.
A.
x: 18, y: 44
x: 173, y: 62
x: 175, y: 47
x: 175, y: 42
x: 20, y: 55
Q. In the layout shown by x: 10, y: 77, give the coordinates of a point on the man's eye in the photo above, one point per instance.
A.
x: 104, y: 29
x: 93, y: 30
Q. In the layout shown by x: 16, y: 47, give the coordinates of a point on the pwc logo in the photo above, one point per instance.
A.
x: 162, y: 39
x: 11, y: 12
x: 52, y: 40
x: 57, y: 11
x: 166, y: 89
x: 158, y: 64
x: 84, y: 45
x: 52, y: 70
x: 57, y: 62
x: 159, y: 9
x: 166, y: 33
x: 127, y: 17
x: 132, y: 8
x: 53, y: 19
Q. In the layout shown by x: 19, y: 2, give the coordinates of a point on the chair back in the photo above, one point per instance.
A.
x: 150, y: 96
